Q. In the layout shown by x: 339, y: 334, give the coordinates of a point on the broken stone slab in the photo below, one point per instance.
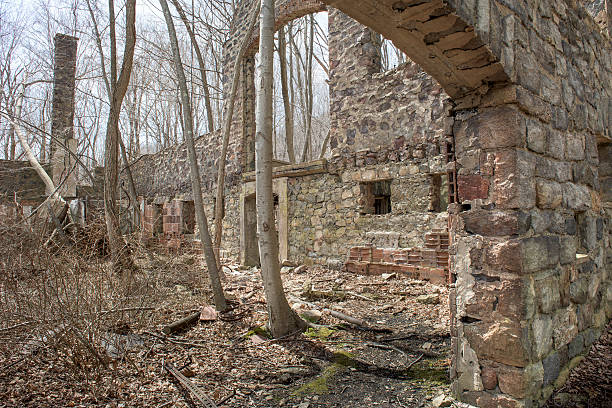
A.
x: 429, y: 299
x: 286, y: 269
x: 208, y: 314
x: 312, y: 315
x: 442, y: 401
x: 388, y: 276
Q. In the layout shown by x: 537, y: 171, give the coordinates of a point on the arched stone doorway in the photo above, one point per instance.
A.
x: 531, y: 89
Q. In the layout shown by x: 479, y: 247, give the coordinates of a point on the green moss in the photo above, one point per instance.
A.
x: 323, y: 333
x: 262, y: 331
x: 342, y: 360
x: 319, y: 385
x: 434, y: 372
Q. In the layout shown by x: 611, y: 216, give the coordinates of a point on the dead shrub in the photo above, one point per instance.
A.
x: 63, y: 297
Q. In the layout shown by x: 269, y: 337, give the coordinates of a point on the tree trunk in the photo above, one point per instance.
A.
x: 196, y: 46
x: 121, y: 257
x: 309, y: 95
x: 227, y: 125
x: 282, y: 54
x: 282, y: 319
x: 131, y: 185
x: 211, y: 263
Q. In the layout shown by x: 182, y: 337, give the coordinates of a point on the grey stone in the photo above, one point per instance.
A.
x: 568, y: 250
x: 542, y: 336
x: 579, y: 291
x: 552, y: 367
x: 540, y: 253
x: 576, y: 346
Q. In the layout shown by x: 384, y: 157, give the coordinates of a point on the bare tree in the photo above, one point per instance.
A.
x: 282, y: 53
x: 282, y: 320
x: 196, y: 46
x: 227, y: 125
x: 120, y: 255
x: 211, y: 263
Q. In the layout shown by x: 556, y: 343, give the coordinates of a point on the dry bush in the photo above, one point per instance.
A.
x: 63, y: 297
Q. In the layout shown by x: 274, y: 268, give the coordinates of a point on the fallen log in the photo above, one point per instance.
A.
x: 362, y: 324
x: 182, y: 324
x: 185, y: 382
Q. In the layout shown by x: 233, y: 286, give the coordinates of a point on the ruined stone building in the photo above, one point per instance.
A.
x: 485, y: 163
x: 503, y: 119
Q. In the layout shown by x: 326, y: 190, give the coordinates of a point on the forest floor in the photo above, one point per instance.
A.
x: 406, y: 364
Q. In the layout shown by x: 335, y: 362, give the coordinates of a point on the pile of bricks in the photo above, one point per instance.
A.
x: 429, y: 263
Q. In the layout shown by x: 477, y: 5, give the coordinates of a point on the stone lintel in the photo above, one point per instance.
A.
x: 293, y: 170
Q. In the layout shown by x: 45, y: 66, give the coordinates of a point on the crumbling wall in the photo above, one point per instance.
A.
x: 369, y: 109
x: 20, y: 182
x: 530, y: 243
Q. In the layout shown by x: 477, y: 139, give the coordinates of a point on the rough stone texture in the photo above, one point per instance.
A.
x: 530, y: 240
x: 62, y: 117
x: 20, y: 182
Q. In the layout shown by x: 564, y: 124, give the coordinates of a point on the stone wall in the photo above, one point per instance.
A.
x: 325, y: 218
x: 20, y: 182
x: 369, y: 109
x: 530, y: 238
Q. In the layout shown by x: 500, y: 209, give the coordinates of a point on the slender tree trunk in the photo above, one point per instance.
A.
x: 309, y: 94
x: 282, y: 53
x: 121, y: 257
x: 227, y: 125
x: 194, y: 42
x: 211, y: 263
x: 109, y: 91
x: 282, y: 319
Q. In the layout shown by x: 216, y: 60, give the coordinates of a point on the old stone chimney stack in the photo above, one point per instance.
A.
x: 62, y: 119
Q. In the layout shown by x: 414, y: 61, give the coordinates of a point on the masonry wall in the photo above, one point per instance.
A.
x: 325, y: 218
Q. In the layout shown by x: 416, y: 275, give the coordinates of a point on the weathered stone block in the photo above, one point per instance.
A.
x: 488, y: 377
x: 568, y: 250
x: 497, y: 341
x: 540, y: 253
x: 513, y: 183
x: 576, y: 197
x: 505, y: 256
x: 574, y: 148
x: 491, y: 223
x: 512, y: 381
x: 542, y: 330
x: 579, y: 291
x: 564, y: 327
x: 536, y: 136
x: 472, y: 187
x: 547, y: 293
x: 552, y: 367
x: 549, y: 194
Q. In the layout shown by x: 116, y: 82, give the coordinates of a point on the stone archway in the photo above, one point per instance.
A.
x: 531, y: 88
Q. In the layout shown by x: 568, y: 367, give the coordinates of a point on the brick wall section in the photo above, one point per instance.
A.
x: 429, y: 263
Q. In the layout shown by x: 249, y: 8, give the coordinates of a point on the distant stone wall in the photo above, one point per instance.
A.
x: 20, y: 182
x: 325, y: 217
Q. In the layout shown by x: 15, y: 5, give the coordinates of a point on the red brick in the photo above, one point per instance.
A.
x: 472, y: 187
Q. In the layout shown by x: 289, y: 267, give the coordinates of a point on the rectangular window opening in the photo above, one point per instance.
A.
x: 375, y: 197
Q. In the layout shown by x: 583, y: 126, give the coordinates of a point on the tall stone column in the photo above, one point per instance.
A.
x: 62, y: 119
